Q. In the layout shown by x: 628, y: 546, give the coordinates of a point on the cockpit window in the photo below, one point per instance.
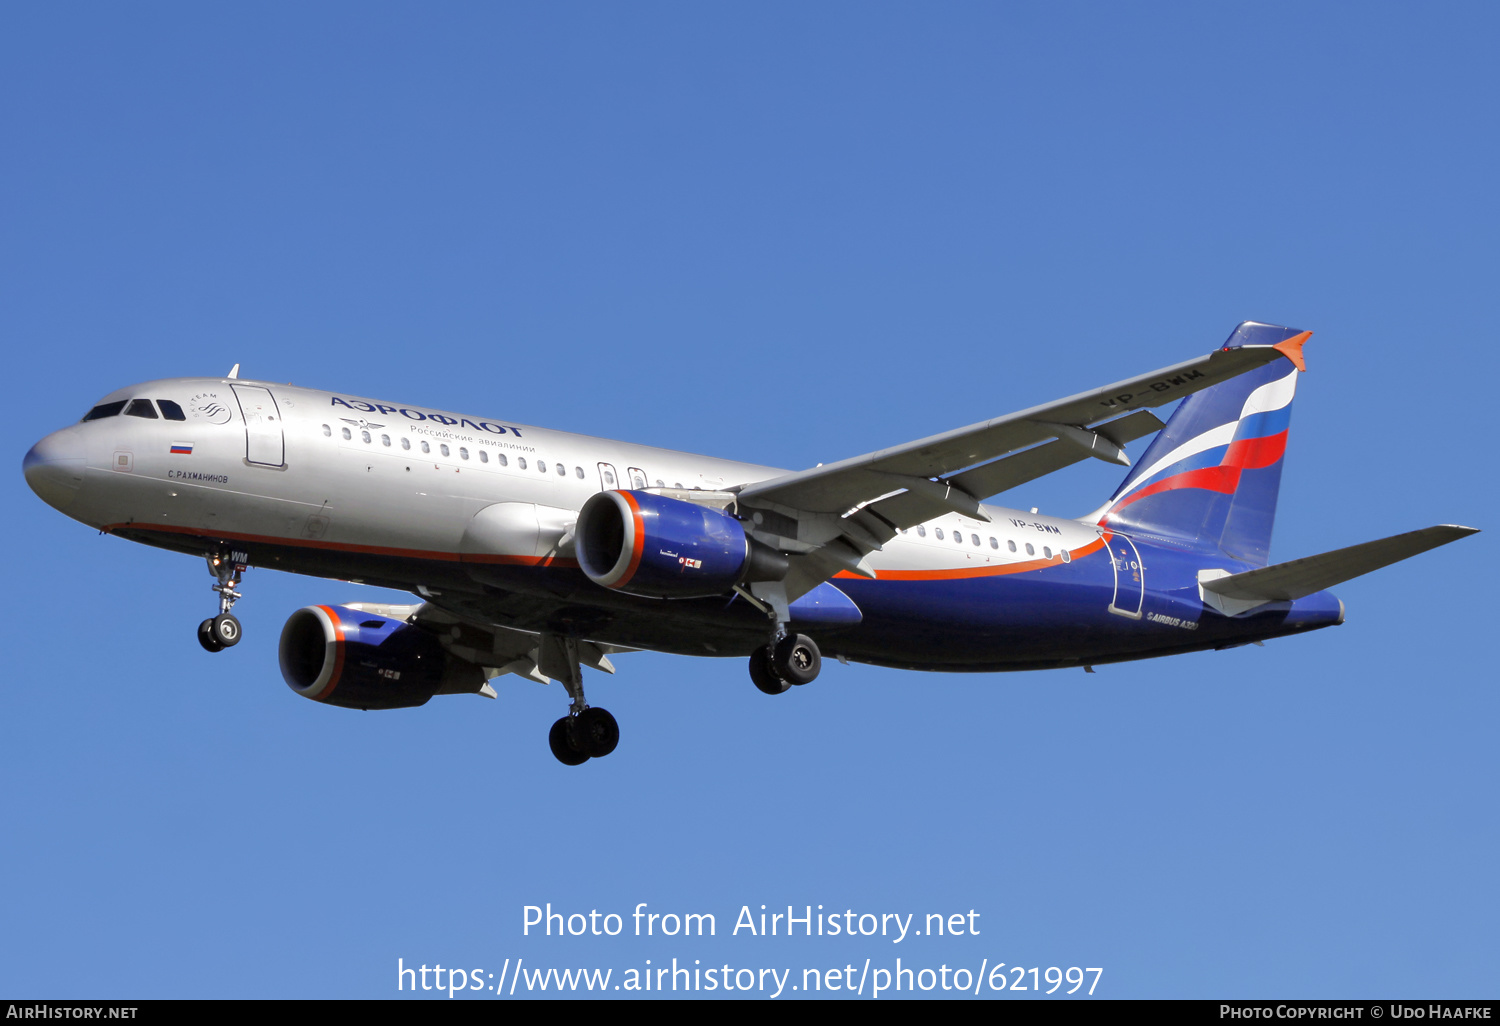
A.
x: 170, y: 410
x: 141, y: 408
x: 104, y: 410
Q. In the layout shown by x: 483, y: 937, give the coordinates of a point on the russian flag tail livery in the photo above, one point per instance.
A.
x: 1209, y: 480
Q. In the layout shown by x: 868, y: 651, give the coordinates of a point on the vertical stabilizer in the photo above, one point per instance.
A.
x: 1210, y: 478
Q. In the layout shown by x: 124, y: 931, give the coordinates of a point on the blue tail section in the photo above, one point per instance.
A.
x: 1209, y: 480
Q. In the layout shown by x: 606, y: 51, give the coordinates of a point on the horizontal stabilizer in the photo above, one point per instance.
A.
x: 1285, y: 582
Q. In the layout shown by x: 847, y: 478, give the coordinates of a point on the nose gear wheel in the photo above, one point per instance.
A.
x: 223, y: 631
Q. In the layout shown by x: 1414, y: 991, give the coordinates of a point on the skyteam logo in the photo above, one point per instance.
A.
x: 208, y: 406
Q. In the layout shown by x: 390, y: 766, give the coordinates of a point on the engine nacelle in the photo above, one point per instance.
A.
x: 361, y: 660
x: 645, y: 544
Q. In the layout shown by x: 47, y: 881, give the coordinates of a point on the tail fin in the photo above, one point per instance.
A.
x: 1209, y: 479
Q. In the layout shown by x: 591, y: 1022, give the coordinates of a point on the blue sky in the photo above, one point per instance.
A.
x: 788, y: 234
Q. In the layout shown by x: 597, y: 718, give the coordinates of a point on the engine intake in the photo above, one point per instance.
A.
x: 361, y: 660
x: 646, y: 544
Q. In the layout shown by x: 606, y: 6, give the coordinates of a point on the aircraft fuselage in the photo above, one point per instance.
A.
x: 480, y: 510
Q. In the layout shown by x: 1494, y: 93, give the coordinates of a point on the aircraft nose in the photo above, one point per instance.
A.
x: 54, y: 467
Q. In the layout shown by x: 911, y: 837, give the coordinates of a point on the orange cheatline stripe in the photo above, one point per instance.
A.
x: 960, y: 573
x: 300, y: 543
x: 370, y: 550
x: 504, y: 560
x: 640, y: 543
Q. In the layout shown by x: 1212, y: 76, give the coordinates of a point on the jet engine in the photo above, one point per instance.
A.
x: 651, y: 545
x: 361, y: 660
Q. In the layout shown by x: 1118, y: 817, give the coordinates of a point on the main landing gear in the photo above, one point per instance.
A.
x: 223, y: 631
x: 587, y: 732
x: 789, y: 659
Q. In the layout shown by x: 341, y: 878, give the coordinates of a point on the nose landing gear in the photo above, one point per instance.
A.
x: 223, y: 631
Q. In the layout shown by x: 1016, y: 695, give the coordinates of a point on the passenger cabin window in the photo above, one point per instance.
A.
x: 443, y: 448
x: 975, y: 538
x: 364, y: 436
x: 521, y: 462
x: 994, y: 542
x: 1047, y: 551
x: 921, y: 531
x: 580, y: 472
x: 141, y: 408
x: 170, y: 410
x: 541, y: 465
x: 327, y: 431
x: 406, y: 443
x: 104, y: 410
x: 607, y: 477
x: 463, y: 452
x: 347, y: 435
x: 1012, y: 545
x: 637, y: 477
x: 1029, y: 550
x: 484, y: 456
x: 385, y: 440
x: 562, y: 471
x: 500, y: 457
x: 426, y: 447
x: 958, y: 536
x: 937, y: 532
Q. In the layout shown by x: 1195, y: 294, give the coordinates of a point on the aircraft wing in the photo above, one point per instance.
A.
x: 831, y: 516
x: 1078, y: 420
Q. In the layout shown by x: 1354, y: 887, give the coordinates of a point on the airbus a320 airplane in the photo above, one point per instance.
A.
x: 537, y: 552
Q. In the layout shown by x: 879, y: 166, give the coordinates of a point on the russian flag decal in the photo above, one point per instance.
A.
x: 183, y: 448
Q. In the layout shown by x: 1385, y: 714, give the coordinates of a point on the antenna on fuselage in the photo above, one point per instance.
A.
x: 234, y: 372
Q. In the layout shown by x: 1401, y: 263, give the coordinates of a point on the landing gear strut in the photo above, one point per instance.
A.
x: 223, y: 631
x: 786, y: 659
x: 587, y: 732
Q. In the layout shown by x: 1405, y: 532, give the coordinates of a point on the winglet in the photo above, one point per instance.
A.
x: 1256, y: 335
x: 234, y: 372
x: 1292, y: 349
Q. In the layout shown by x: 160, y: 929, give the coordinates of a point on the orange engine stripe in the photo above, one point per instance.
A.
x: 640, y: 541
x: 338, y: 654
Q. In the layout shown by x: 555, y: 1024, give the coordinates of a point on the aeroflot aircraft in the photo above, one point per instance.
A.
x: 537, y: 552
